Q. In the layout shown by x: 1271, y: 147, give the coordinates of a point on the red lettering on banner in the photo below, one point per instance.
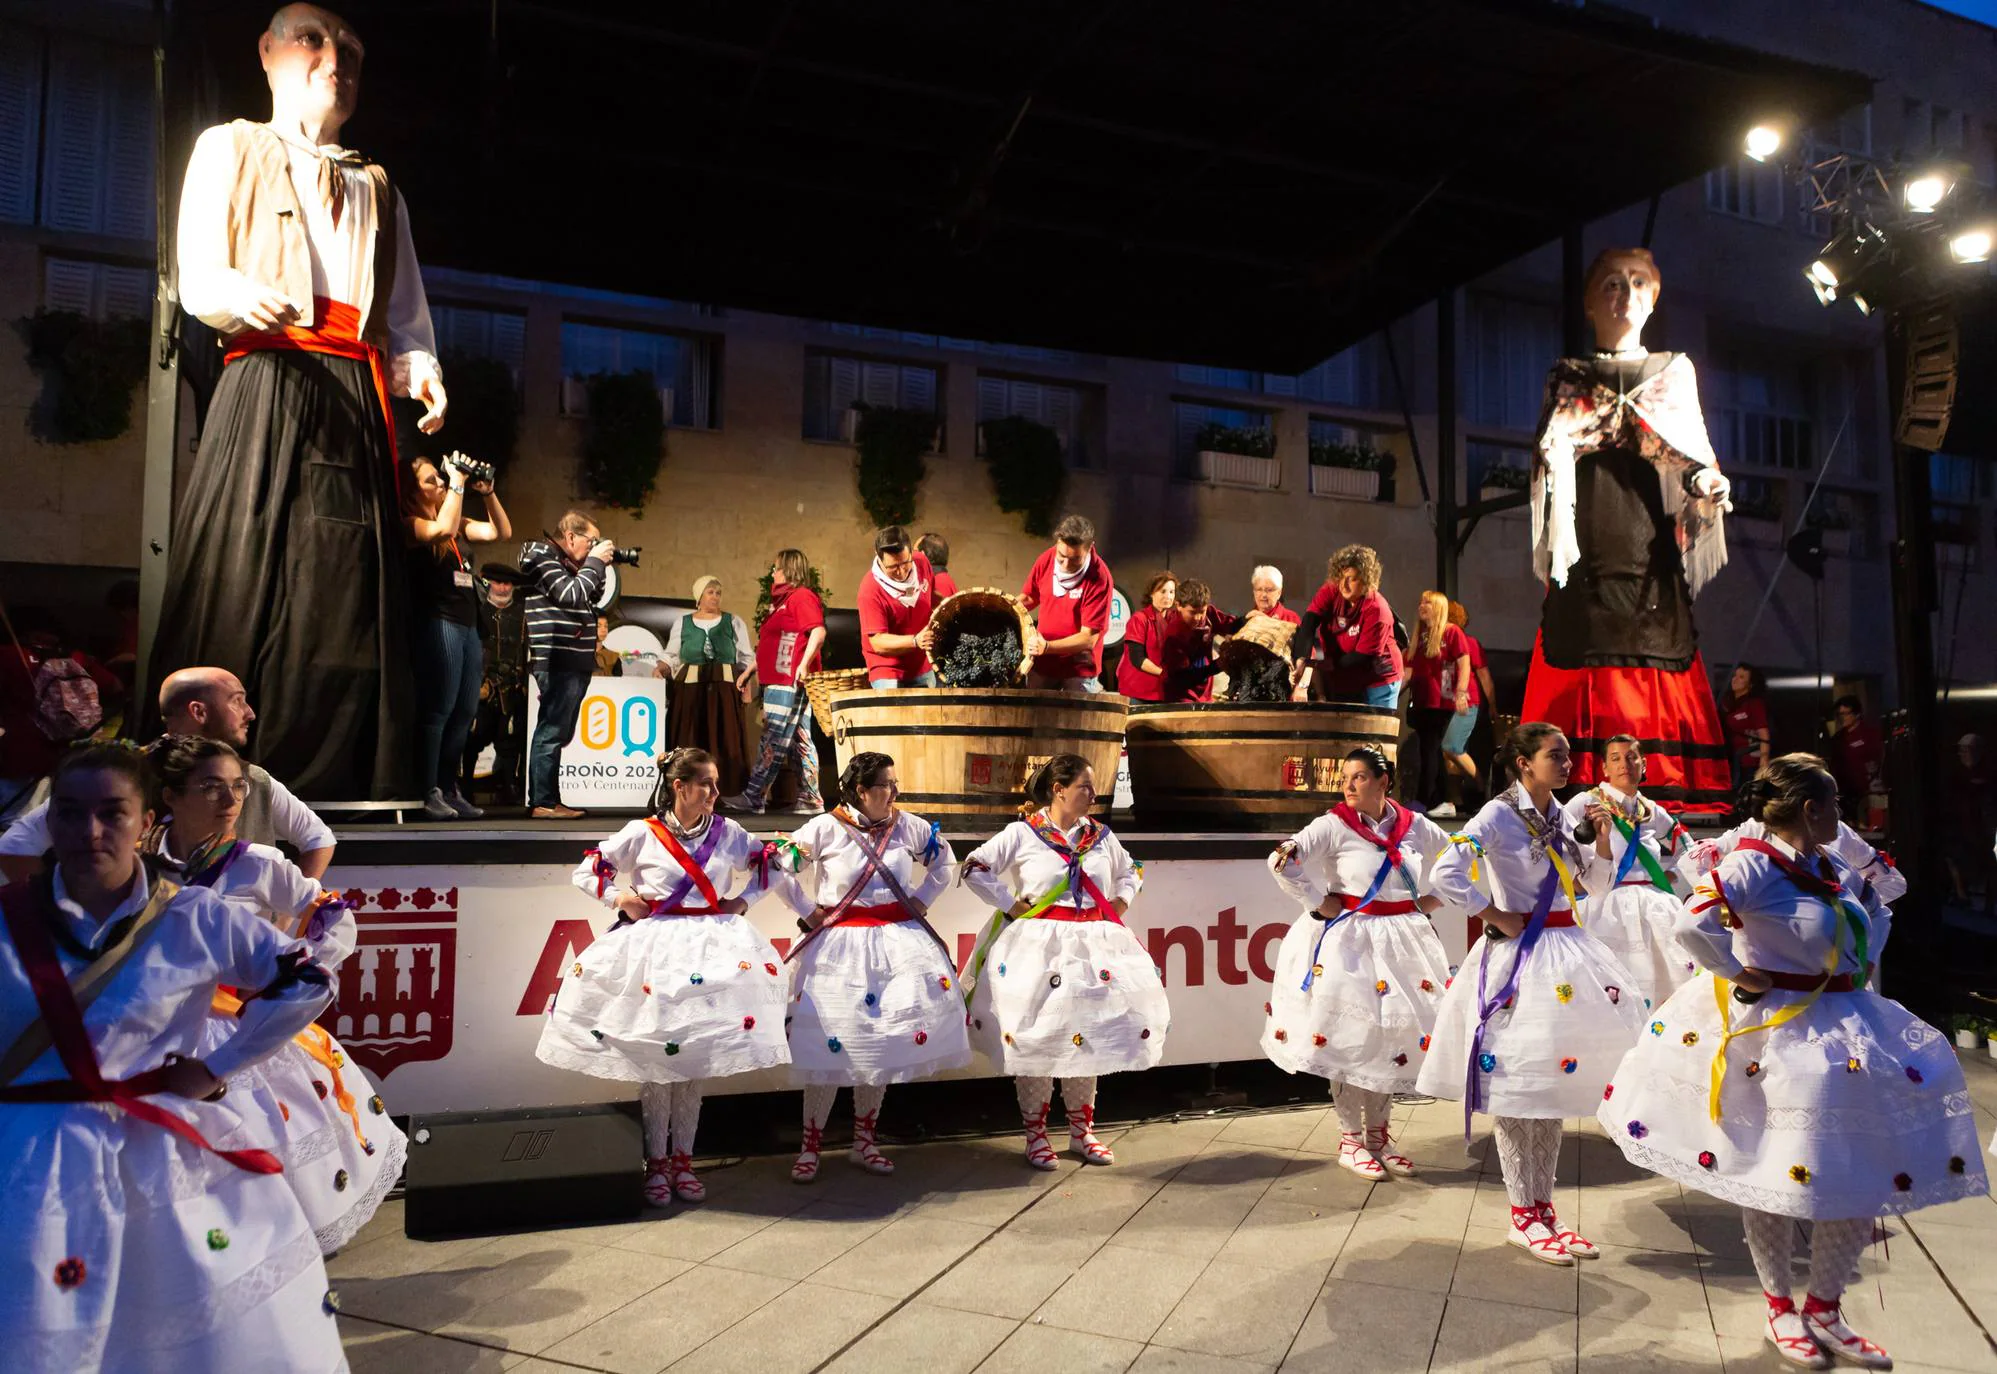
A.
x: 565, y: 940
x: 1228, y: 934
x: 1259, y: 962
x: 1161, y: 940
x: 966, y: 945
x: 781, y: 944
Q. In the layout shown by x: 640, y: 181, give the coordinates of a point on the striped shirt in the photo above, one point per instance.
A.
x: 561, y: 609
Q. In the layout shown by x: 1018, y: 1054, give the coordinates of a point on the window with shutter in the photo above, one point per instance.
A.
x: 100, y: 290
x: 21, y: 51
x: 97, y: 162
x: 680, y: 364
x: 834, y: 382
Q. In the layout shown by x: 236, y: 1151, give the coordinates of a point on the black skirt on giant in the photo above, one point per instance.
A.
x: 286, y: 569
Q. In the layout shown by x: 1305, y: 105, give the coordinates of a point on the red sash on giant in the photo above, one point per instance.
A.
x: 338, y: 334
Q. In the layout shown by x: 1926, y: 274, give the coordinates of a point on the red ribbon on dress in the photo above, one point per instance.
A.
x: 338, y: 334
x: 686, y: 862
x: 86, y: 1081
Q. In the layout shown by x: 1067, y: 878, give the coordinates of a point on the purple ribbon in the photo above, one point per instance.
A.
x: 1488, y: 1006
x: 324, y: 916
x: 219, y: 865
x: 701, y: 854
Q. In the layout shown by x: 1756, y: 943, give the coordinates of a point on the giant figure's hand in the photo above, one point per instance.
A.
x: 1713, y: 484
x: 430, y: 391
x: 268, y: 308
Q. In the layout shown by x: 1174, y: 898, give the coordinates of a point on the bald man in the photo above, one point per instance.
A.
x: 286, y: 565
x: 209, y: 702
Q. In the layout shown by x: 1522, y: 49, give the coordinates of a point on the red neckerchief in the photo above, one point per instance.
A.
x: 1079, y: 882
x: 1404, y: 820
x: 685, y: 860
x: 27, y: 925
x: 1815, y: 884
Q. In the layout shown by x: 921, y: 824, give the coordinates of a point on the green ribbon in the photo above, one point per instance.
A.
x: 1627, y: 829
x: 975, y: 969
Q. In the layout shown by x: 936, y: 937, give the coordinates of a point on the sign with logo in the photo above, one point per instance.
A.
x: 449, y: 1025
x: 1119, y: 616
x: 613, y: 759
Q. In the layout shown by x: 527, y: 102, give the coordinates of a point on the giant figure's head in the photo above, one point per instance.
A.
x: 312, y: 59
x: 1621, y: 292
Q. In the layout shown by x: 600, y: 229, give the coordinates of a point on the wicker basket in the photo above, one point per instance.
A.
x: 1259, y: 635
x: 980, y: 610
x: 820, y: 686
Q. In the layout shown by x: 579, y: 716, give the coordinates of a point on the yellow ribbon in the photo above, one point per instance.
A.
x: 1566, y: 875
x: 1723, y: 995
x: 316, y: 1043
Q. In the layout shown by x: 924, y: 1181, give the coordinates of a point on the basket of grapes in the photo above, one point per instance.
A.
x: 980, y: 639
x: 1256, y: 659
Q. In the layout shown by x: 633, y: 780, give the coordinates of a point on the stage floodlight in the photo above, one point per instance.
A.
x: 1864, y: 305
x: 1826, y: 295
x: 1972, y: 245
x: 1927, y: 190
x: 1763, y: 142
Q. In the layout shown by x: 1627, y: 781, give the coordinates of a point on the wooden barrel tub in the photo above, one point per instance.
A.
x: 967, y: 751
x: 1227, y: 766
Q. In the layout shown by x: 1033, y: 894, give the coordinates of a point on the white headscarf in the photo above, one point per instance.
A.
x: 1070, y: 584
x: 907, y: 593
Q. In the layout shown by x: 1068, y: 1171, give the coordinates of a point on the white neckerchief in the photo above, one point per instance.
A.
x: 1070, y: 585
x: 907, y: 593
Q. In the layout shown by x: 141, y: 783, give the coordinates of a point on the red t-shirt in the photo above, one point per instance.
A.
x: 1189, y: 645
x: 946, y: 585
x: 1365, y: 627
x: 1061, y: 616
x: 1283, y: 613
x: 1856, y: 754
x: 797, y: 613
x: 1749, y: 713
x: 1434, y: 681
x: 1142, y: 630
x: 882, y: 613
x: 1476, y: 667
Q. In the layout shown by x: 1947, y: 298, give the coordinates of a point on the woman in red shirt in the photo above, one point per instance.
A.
x: 1353, y: 626
x: 1438, y: 671
x: 1141, y: 675
x: 787, y: 644
x: 1744, y: 711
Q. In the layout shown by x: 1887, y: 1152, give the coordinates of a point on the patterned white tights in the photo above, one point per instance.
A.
x: 1036, y: 1094
x: 819, y: 1097
x: 1528, y: 1154
x: 1359, y: 1108
x: 1834, y: 1249
x: 672, y: 1115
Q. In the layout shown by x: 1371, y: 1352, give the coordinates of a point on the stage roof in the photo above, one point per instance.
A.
x: 1244, y: 182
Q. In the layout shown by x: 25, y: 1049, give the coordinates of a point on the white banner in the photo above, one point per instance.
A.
x: 444, y: 999
x: 613, y: 759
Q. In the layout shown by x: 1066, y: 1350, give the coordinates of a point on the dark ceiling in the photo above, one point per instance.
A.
x: 1246, y: 182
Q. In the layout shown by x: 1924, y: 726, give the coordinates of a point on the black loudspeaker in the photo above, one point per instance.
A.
x: 472, y: 1172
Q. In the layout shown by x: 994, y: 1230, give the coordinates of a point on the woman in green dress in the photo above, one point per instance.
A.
x: 712, y: 658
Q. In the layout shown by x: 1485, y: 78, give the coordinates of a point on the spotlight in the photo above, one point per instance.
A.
x: 1927, y: 190
x: 1826, y: 293
x: 1864, y: 305
x: 1763, y: 142
x: 1971, y: 245
x: 1845, y: 256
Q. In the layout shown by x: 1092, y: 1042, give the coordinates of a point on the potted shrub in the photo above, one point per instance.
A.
x: 1502, y: 479
x: 1968, y: 1031
x: 1242, y: 456
x: 1835, y: 524
x: 1352, y: 471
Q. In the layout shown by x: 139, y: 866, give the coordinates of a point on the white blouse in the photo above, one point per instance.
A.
x: 342, y: 254
x: 1782, y: 928
x: 262, y: 882
x: 1887, y: 881
x: 1660, y: 834
x: 1328, y: 856
x: 655, y: 872
x: 1016, y: 863
x: 1508, y: 876
x: 745, y: 643
x: 834, y: 861
x: 157, y: 1001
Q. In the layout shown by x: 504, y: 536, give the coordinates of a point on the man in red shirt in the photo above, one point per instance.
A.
x: 1266, y: 584
x: 936, y: 549
x: 1069, y: 588
x: 1858, y: 753
x: 895, y: 600
x: 1351, y: 625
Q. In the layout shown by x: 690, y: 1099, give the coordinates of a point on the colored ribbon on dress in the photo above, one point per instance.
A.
x: 1843, y: 914
x: 872, y: 857
x: 693, y: 866
x: 997, y: 923
x: 1636, y: 851
x: 1390, y: 862
x: 1078, y: 880
x: 27, y: 927
x: 1488, y: 1005
x: 318, y: 1045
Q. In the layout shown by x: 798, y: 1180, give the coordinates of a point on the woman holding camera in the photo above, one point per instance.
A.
x: 449, y: 663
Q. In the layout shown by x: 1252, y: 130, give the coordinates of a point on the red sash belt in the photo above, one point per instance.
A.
x: 683, y: 911
x: 337, y: 334
x: 1377, y: 907
x: 1638, y: 882
x: 886, y: 914
x: 1808, y: 982
x: 1069, y: 913
x: 1556, y: 919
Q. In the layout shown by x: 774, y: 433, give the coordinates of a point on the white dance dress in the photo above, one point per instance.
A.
x: 689, y: 992
x: 130, y: 1245
x: 874, y: 995
x: 1870, y: 864
x: 1534, y: 1034
x: 1633, y: 901
x: 1354, y: 998
x: 1068, y: 993
x: 341, y: 1151
x: 1832, y: 1103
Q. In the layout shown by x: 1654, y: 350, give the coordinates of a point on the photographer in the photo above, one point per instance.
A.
x: 564, y: 580
x: 449, y: 663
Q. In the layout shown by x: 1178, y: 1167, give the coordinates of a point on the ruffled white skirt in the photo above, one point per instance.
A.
x: 1069, y: 999
x: 1551, y: 1052
x: 1635, y: 922
x: 1371, y: 1005
x: 670, y: 999
x: 340, y: 1164
x: 131, y: 1250
x: 875, y: 1004
x: 1856, y: 1108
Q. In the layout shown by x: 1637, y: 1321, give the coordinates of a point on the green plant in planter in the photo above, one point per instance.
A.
x: 1251, y: 441
x: 1028, y: 473
x: 1828, y: 518
x: 891, y: 444
x: 765, y: 583
x: 1505, y: 477
x: 624, y: 439
x: 484, y: 416
x: 88, y: 368
x: 1329, y: 453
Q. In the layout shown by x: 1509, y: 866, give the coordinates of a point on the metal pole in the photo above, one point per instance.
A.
x: 162, y: 394
x: 1445, y: 444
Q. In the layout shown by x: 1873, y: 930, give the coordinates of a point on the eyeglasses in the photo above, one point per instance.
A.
x: 216, y: 791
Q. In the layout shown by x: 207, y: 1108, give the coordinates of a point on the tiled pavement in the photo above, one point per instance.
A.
x: 1218, y: 1245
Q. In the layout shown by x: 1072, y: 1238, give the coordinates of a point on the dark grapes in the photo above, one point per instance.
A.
x: 1264, y: 678
x: 981, y: 660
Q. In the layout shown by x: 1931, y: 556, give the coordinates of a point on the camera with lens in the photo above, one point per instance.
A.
x: 626, y: 557
x: 471, y: 469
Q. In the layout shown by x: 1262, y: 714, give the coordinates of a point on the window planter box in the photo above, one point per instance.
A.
x: 1238, y: 470
x: 575, y: 399
x: 1351, y: 484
